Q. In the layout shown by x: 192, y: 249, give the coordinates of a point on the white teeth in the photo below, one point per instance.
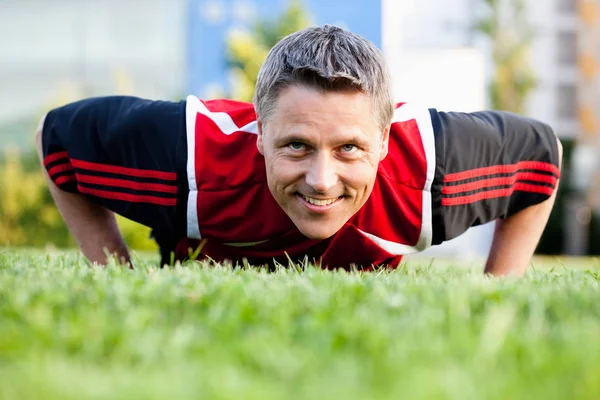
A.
x: 318, y: 202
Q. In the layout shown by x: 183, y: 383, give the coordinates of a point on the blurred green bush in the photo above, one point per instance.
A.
x: 28, y: 215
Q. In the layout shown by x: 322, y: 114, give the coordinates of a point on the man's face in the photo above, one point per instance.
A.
x: 321, y: 152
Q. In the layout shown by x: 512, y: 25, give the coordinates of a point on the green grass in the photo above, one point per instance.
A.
x: 426, y: 331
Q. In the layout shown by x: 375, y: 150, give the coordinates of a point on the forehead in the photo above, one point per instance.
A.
x: 303, y: 108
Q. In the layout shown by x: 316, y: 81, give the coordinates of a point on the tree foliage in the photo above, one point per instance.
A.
x: 506, y: 26
x: 247, y: 50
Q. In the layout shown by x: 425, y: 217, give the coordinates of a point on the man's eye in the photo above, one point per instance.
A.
x: 296, y: 146
x: 349, y: 148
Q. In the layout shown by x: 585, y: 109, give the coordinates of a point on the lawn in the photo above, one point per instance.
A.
x: 430, y: 330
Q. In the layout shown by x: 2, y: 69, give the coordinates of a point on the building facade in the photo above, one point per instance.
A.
x: 59, y: 50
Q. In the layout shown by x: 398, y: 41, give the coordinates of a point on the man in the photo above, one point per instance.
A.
x: 323, y: 165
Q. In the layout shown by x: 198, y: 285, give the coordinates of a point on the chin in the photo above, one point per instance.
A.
x: 317, y: 233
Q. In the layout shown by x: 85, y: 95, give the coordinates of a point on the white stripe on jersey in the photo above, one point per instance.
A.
x: 225, y: 123
x: 389, y: 246
x: 191, y: 111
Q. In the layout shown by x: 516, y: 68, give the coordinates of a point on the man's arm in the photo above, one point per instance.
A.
x: 115, y: 155
x: 495, y: 166
x: 516, y: 238
x: 94, y: 227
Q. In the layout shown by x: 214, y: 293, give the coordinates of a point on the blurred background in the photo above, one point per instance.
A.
x: 535, y: 57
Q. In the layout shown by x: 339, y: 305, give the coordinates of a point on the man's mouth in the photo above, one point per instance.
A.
x: 322, y: 204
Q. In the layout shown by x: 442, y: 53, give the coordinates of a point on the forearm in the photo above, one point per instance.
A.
x: 94, y: 228
x: 516, y: 238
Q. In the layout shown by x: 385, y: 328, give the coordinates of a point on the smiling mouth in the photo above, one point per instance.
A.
x: 319, y: 202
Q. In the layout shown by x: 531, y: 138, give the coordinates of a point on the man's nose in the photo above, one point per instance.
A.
x: 321, y: 176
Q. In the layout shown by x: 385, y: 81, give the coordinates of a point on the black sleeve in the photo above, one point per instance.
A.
x: 125, y: 153
x: 489, y: 165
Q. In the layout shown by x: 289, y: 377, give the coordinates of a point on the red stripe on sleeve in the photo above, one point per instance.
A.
x: 504, y: 181
x: 492, y: 194
x: 502, y: 169
x: 64, y: 179
x: 122, y: 183
x: 139, y: 173
x: 134, y: 198
x: 59, y: 168
x: 55, y: 157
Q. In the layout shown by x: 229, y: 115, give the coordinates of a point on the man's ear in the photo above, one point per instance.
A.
x: 259, y: 139
x: 385, y: 141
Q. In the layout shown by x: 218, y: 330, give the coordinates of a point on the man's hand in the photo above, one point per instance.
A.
x: 516, y: 238
x: 94, y: 228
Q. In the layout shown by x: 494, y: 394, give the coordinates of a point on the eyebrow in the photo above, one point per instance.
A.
x: 295, y: 137
x: 353, y: 140
x: 357, y: 141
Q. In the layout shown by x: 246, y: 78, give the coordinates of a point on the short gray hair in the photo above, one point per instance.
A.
x: 326, y: 58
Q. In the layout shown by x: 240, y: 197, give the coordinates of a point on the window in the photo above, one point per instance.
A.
x: 566, y: 101
x: 566, y: 48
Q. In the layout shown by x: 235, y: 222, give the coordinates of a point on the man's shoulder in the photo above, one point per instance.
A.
x: 229, y: 116
x: 411, y: 154
x: 224, y: 105
x: 222, y: 142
